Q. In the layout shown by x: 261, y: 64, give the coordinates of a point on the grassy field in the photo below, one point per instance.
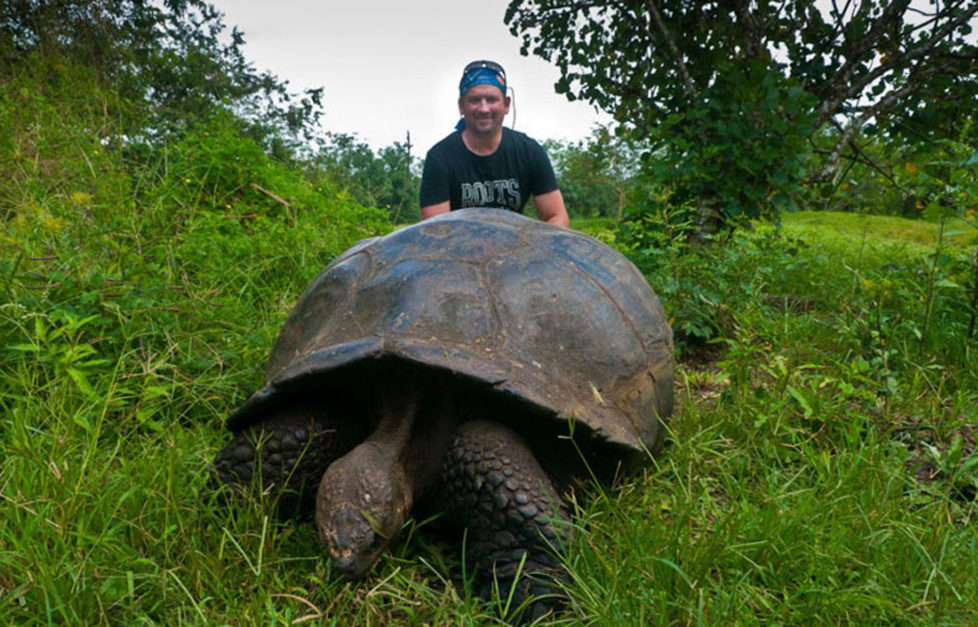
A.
x: 820, y: 465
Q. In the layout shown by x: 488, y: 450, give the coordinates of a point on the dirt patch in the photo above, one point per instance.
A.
x: 701, y: 356
x: 698, y: 375
x: 946, y: 456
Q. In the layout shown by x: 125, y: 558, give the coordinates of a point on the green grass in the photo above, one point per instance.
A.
x: 855, y: 226
x: 589, y: 225
x: 784, y: 494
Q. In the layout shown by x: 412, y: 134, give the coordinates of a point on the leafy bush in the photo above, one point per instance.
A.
x: 744, y: 147
x: 195, y: 225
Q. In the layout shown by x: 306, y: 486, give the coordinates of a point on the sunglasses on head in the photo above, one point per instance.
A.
x: 489, y: 65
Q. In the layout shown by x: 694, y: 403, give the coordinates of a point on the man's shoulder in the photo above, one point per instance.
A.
x: 521, y: 141
x: 519, y: 137
x: 450, y: 142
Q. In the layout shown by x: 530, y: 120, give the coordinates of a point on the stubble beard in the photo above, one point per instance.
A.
x: 485, y: 128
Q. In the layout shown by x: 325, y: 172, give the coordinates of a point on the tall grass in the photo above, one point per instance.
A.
x: 820, y: 465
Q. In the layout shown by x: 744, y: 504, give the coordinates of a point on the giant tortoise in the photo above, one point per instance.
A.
x: 479, y: 365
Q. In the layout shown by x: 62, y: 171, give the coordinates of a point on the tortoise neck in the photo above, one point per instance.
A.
x: 397, y: 408
x: 416, y: 422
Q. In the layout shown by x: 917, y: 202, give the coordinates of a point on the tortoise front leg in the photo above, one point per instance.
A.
x: 284, y: 455
x: 494, y: 488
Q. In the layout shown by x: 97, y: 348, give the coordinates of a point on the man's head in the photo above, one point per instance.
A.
x: 482, y: 99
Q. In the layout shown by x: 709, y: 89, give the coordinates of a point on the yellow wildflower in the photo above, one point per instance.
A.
x: 80, y: 198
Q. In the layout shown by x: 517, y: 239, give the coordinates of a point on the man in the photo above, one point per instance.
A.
x: 483, y: 164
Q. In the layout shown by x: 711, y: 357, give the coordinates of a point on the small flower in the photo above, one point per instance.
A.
x: 80, y: 198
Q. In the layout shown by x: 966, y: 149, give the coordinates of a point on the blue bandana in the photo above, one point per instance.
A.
x: 481, y: 76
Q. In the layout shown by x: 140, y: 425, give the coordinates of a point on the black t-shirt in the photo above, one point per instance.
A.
x: 505, y: 179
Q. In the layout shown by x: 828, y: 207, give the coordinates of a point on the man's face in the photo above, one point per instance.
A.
x: 484, y: 108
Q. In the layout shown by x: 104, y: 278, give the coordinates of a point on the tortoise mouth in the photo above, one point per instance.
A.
x: 351, y: 540
x: 347, y: 563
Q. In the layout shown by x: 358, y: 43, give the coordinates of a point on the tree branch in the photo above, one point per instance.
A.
x: 673, y: 50
x: 832, y: 163
x: 839, y: 88
x: 851, y: 89
x: 752, y: 43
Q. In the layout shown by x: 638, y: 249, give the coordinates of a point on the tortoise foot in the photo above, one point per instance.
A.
x: 516, y: 524
x: 285, y: 457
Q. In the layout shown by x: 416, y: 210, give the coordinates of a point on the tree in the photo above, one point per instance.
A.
x: 388, y: 179
x: 734, y: 89
x: 401, y: 182
x: 595, y: 174
x: 165, y: 60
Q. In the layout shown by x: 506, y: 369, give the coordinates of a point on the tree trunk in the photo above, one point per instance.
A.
x: 621, y: 202
x: 974, y: 294
x: 708, y: 220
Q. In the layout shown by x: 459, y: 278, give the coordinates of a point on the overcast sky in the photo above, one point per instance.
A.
x: 388, y: 67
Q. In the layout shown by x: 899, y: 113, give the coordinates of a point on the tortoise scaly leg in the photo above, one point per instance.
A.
x: 285, y: 456
x: 494, y: 488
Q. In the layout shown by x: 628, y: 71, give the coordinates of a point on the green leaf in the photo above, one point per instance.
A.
x: 81, y: 381
x: 798, y: 396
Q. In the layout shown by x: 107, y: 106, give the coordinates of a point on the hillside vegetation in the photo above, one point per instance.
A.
x: 820, y: 465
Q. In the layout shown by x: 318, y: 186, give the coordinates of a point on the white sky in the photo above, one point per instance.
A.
x: 388, y: 67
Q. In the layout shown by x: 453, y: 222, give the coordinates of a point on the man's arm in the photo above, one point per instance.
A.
x: 435, y: 210
x: 435, y: 195
x: 550, y: 207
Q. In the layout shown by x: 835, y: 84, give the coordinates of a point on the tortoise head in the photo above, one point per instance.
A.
x: 364, y: 498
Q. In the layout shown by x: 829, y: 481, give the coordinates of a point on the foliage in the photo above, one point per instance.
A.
x: 741, y: 151
x: 703, y: 288
x: 586, y: 189
x: 388, y: 179
x: 754, y: 82
x: 167, y: 62
x: 595, y: 174
x: 912, y: 177
x: 787, y: 493
x: 821, y: 465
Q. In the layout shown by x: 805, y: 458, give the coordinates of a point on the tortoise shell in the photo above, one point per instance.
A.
x: 546, y: 316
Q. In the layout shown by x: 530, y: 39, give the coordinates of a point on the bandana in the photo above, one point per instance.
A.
x: 481, y: 76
